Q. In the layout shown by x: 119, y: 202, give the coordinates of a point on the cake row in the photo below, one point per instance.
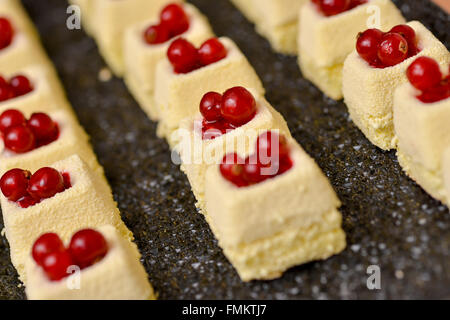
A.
x: 52, y: 187
x: 265, y: 199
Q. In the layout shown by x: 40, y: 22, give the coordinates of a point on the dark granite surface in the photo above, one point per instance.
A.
x: 389, y: 220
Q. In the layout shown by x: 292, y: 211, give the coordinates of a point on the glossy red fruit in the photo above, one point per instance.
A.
x: 210, y: 106
x: 11, y: 118
x: 6, y: 92
x: 175, y: 19
x: 393, y: 49
x: 334, y: 7
x: 424, y: 73
x: 231, y: 169
x: 156, y: 34
x: 46, y: 244
x: 355, y: 3
x: 238, y: 106
x: 3, y: 82
x: 20, y: 139
x: 45, y: 183
x: 212, y: 51
x: 56, y: 265
x: 87, y: 247
x: 271, y: 147
x: 14, y: 184
x: 212, y: 130
x: 435, y: 94
x: 27, y: 201
x: 20, y: 85
x: 367, y: 44
x: 43, y: 127
x: 183, y: 56
x: 252, y: 171
x: 6, y: 33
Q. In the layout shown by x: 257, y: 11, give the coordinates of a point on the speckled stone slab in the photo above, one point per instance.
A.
x: 389, y: 220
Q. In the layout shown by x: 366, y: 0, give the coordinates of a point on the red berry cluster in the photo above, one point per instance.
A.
x: 274, y: 158
x: 85, y: 249
x: 334, y: 7
x: 173, y: 21
x: 185, y: 57
x: 21, y: 135
x: 16, y: 87
x: 6, y: 33
x: 425, y: 75
x: 383, y: 50
x: 221, y: 113
x: 26, y: 190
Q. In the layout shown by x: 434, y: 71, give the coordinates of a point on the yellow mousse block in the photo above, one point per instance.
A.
x: 285, y: 221
x: 198, y: 154
x: 87, y: 204
x: 178, y: 96
x: 141, y: 58
x: 111, y: 20
x: 72, y: 140
x: 86, y: 10
x: 446, y: 164
x: 423, y: 136
x: 118, y: 276
x: 369, y: 92
x: 25, y: 48
x: 324, y: 42
x: 274, y: 19
x: 47, y: 92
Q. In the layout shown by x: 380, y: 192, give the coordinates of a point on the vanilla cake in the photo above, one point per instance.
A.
x: 141, y: 58
x: 177, y: 96
x: 274, y: 19
x: 198, y: 154
x: 72, y: 140
x: 112, y: 18
x: 284, y: 221
x: 423, y: 135
x: 117, y: 276
x: 88, y: 203
x: 369, y: 91
x: 324, y: 42
x: 47, y: 93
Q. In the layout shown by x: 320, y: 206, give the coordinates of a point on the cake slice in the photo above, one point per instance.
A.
x: 86, y: 201
x: 113, y: 18
x: 274, y: 19
x: 198, y: 151
x: 141, y: 57
x: 46, y: 92
x: 369, y: 91
x: 277, y: 222
x: 177, y: 95
x: 15, y: 53
x: 118, y: 275
x: 423, y: 136
x: 69, y: 139
x: 325, y: 41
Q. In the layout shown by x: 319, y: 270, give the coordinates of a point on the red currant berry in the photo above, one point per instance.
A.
x: 87, y: 247
x: 231, y: 169
x: 14, y: 184
x: 355, y: 3
x: 183, y: 56
x: 20, y: 139
x: 3, y: 82
x: 174, y: 19
x: 27, y: 201
x: 56, y: 265
x: 156, y: 34
x: 367, y: 44
x: 238, y: 106
x: 210, y: 106
x: 334, y: 7
x: 45, y: 183
x: 11, y: 118
x: 424, y: 73
x: 46, y: 244
x: 393, y: 49
x: 406, y: 32
x: 67, y: 180
x: 20, y: 85
x: 6, y: 33
x: 252, y: 171
x: 435, y: 94
x: 6, y: 93
x: 212, y: 51
x: 271, y: 147
x: 43, y: 127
